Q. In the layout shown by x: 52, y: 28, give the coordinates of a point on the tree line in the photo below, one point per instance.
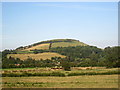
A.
x: 79, y: 56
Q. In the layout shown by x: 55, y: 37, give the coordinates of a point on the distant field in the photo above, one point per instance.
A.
x: 40, y: 46
x: 67, y: 44
x: 38, y: 56
x: 95, y: 81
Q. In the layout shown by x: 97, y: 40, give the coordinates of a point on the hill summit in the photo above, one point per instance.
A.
x: 52, y: 44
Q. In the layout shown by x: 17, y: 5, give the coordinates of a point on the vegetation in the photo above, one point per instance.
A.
x: 58, y: 72
x: 75, y: 57
x: 54, y: 43
x: 72, y: 56
x: 25, y: 74
x: 38, y: 56
x: 90, y: 81
x: 67, y: 62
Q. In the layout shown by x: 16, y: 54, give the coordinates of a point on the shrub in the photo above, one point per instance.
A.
x: 57, y: 74
x: 94, y: 73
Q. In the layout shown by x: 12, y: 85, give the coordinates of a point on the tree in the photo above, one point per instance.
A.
x: 112, y: 56
x: 66, y: 64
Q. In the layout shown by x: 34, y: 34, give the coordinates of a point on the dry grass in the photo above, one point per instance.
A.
x: 38, y: 56
x: 40, y: 46
x: 96, y: 81
x: 56, y: 44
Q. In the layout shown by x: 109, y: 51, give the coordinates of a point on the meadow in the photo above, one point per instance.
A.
x: 46, y: 55
x: 82, y: 77
x: 91, y: 81
x: 67, y: 44
x: 55, y: 44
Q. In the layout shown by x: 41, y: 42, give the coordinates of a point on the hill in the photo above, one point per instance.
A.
x: 76, y: 53
x: 52, y: 44
x: 45, y: 49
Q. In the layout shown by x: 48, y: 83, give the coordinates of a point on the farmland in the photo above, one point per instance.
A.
x: 55, y: 43
x: 67, y: 44
x: 39, y: 56
x: 41, y: 46
x: 79, y: 81
x: 97, y: 81
x: 60, y: 63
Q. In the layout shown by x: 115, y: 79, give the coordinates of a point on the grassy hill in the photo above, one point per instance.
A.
x: 24, y: 52
x: 54, y: 43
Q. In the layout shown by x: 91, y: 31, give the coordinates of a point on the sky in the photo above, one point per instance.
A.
x: 25, y: 23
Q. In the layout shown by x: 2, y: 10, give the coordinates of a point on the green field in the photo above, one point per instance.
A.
x: 62, y: 43
x: 95, y: 81
x: 67, y: 44
x: 50, y: 78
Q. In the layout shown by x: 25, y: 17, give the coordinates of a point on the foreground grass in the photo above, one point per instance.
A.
x: 86, y: 81
x: 51, y: 72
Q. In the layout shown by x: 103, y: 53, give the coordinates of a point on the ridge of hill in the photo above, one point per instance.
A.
x: 52, y: 44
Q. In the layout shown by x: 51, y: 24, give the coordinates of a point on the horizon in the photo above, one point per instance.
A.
x: 93, y: 23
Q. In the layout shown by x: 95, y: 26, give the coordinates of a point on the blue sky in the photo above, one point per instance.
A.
x: 94, y: 23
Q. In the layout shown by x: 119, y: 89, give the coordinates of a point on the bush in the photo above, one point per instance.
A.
x: 57, y: 74
x: 94, y: 73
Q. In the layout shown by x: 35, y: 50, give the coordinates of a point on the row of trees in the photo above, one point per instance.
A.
x: 76, y: 57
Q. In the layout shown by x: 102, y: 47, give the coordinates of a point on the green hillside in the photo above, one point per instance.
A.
x: 52, y: 44
x: 61, y: 51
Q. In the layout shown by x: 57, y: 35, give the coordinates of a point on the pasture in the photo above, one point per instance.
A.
x: 40, y: 46
x: 67, y: 44
x: 91, y: 81
x: 78, y: 77
x: 54, y: 45
x: 46, y: 55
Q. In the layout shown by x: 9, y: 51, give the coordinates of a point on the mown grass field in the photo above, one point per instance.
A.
x: 90, y: 81
x: 110, y: 80
x: 38, y: 56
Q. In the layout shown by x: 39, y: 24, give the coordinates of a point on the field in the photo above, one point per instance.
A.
x: 56, y: 78
x: 96, y: 81
x: 38, y: 56
x: 67, y: 44
x: 40, y: 46
x: 56, y: 44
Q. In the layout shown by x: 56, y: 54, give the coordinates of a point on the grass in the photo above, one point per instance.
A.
x: 24, y: 52
x: 40, y: 46
x: 67, y: 44
x: 38, y: 56
x: 26, y: 74
x: 95, y: 81
x: 56, y: 44
x: 51, y: 72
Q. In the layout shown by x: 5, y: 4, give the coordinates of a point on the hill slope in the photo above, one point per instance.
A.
x: 52, y: 44
x: 28, y: 51
x: 46, y: 55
